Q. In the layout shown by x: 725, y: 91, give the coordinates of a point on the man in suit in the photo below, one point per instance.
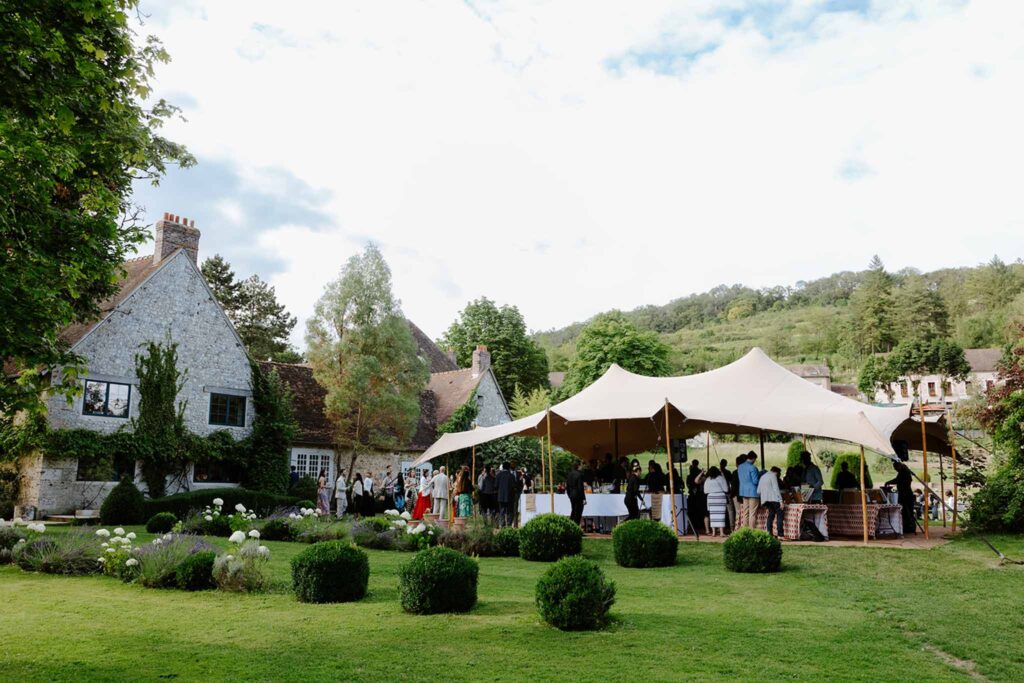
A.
x: 439, y: 492
x: 576, y: 490
x: 506, y: 484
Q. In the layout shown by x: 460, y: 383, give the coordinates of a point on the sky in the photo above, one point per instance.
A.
x: 573, y: 157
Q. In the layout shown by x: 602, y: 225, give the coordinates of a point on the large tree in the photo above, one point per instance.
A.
x: 919, y: 311
x: 872, y: 308
x: 516, y: 359
x: 611, y: 338
x: 363, y: 354
x: 251, y: 304
x: 74, y: 135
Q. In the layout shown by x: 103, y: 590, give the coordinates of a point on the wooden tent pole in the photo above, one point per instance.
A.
x: 760, y: 435
x: 805, y: 442
x: 863, y: 498
x: 473, y: 479
x: 952, y: 446
x: 543, y: 469
x: 551, y: 467
x: 924, y: 455
x: 671, y: 478
x: 942, y: 487
x: 707, y: 459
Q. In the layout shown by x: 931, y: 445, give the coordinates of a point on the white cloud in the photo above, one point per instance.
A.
x: 570, y: 158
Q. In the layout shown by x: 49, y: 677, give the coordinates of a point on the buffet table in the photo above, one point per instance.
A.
x: 603, y: 505
x: 845, y: 519
x: 793, y: 514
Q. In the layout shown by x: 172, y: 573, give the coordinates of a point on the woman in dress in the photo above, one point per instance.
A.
x: 357, y: 495
x: 423, y: 496
x: 400, y: 493
x: 697, y: 502
x: 716, y: 488
x: 323, y: 494
x: 464, y: 495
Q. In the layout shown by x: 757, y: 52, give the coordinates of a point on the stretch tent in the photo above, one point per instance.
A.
x: 625, y: 413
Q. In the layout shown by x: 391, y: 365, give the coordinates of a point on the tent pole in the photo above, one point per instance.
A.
x: 924, y: 455
x: 805, y: 442
x: 952, y: 445
x: 551, y: 468
x: 760, y: 435
x: 616, y: 440
x: 671, y: 478
x: 863, y: 498
x: 707, y: 458
x: 942, y: 487
x: 473, y: 480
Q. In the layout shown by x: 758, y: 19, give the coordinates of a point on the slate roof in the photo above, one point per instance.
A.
x: 430, y: 352
x: 983, y: 360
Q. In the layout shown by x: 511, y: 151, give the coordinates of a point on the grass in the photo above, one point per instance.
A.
x: 840, y: 614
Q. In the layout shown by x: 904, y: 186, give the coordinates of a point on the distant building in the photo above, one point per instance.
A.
x: 556, y: 379
x: 817, y: 373
x: 983, y: 376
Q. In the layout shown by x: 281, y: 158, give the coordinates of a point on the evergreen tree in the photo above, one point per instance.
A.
x: 872, y: 307
x: 994, y: 285
x: 515, y: 358
x: 920, y: 313
x: 611, y: 338
x: 523, y: 403
x: 251, y: 304
x: 273, y: 430
x: 363, y: 354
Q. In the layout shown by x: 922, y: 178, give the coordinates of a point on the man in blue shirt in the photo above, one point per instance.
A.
x: 749, y: 497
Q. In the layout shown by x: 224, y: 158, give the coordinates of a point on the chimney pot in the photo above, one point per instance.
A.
x: 173, y: 233
x: 481, y: 360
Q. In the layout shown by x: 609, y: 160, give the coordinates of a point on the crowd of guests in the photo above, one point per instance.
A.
x: 435, y: 491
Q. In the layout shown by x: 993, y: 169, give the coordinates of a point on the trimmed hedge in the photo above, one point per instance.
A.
x: 752, y: 551
x: 330, y: 571
x: 506, y: 542
x: 644, y: 543
x: 277, y: 529
x: 161, y: 523
x: 853, y: 461
x: 438, y: 580
x: 549, y: 537
x: 574, y: 595
x: 793, y: 453
x: 181, y: 504
x: 195, y: 573
x: 124, y: 505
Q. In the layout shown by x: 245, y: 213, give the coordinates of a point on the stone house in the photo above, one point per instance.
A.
x: 450, y: 388
x: 162, y: 298
x: 982, y: 377
x: 815, y: 373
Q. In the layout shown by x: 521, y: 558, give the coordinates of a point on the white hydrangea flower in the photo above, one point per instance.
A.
x: 294, y: 516
x: 391, y: 513
x: 104, y: 545
x: 168, y: 536
x: 103, y: 533
x: 111, y: 550
x: 229, y: 557
x: 37, y: 527
x: 20, y: 541
x: 208, y: 518
x: 399, y: 523
x: 264, y: 551
x: 406, y: 516
x: 254, y: 534
x: 218, y: 502
x: 240, y: 508
x: 131, y: 562
x: 237, y: 537
x: 130, y: 536
x: 119, y: 531
x: 101, y: 560
x: 157, y: 541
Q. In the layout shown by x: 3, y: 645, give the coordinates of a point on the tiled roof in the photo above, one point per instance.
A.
x: 452, y: 390
x: 810, y: 370
x: 983, y: 360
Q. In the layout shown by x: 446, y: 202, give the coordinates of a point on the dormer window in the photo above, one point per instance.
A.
x: 106, y: 399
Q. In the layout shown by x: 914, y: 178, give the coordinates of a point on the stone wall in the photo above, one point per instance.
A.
x: 492, y: 408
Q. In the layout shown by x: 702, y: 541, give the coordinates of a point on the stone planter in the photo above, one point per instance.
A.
x: 430, y: 518
x: 460, y: 523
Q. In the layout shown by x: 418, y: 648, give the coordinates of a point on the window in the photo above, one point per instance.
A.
x: 309, y: 462
x: 106, y: 399
x: 931, y: 389
x: 947, y: 388
x: 227, y: 410
x: 904, y: 392
x: 99, y: 469
x: 216, y: 472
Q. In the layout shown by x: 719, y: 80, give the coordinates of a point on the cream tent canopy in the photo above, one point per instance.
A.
x: 622, y: 412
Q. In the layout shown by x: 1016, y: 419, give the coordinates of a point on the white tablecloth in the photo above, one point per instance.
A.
x: 602, y: 505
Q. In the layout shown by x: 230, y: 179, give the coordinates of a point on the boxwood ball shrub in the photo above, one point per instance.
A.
x: 277, y: 529
x: 330, y: 571
x: 161, y: 523
x: 546, y: 538
x: 574, y: 595
x: 506, y: 542
x: 752, y: 551
x: 644, y: 543
x: 195, y: 573
x: 124, y: 505
x: 438, y: 580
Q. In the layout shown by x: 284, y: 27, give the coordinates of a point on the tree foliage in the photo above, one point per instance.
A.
x: 363, y: 354
x: 260, y: 320
x: 515, y: 358
x: 273, y: 430
x: 74, y: 135
x: 523, y: 403
x: 611, y: 338
x: 161, y: 439
x: 872, y: 307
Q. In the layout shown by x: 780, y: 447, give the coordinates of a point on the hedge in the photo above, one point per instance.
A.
x: 124, y: 505
x: 853, y: 461
x: 549, y: 537
x: 181, y: 504
x: 438, y: 580
x: 574, y: 595
x: 752, y: 551
x: 330, y: 571
x: 644, y: 543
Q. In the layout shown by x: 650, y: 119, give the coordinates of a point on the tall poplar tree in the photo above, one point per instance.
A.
x: 364, y: 356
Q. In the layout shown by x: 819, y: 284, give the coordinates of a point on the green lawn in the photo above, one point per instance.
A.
x: 832, y: 614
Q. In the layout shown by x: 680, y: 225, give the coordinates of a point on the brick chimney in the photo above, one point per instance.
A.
x: 173, y: 233
x: 450, y: 353
x: 481, y: 360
